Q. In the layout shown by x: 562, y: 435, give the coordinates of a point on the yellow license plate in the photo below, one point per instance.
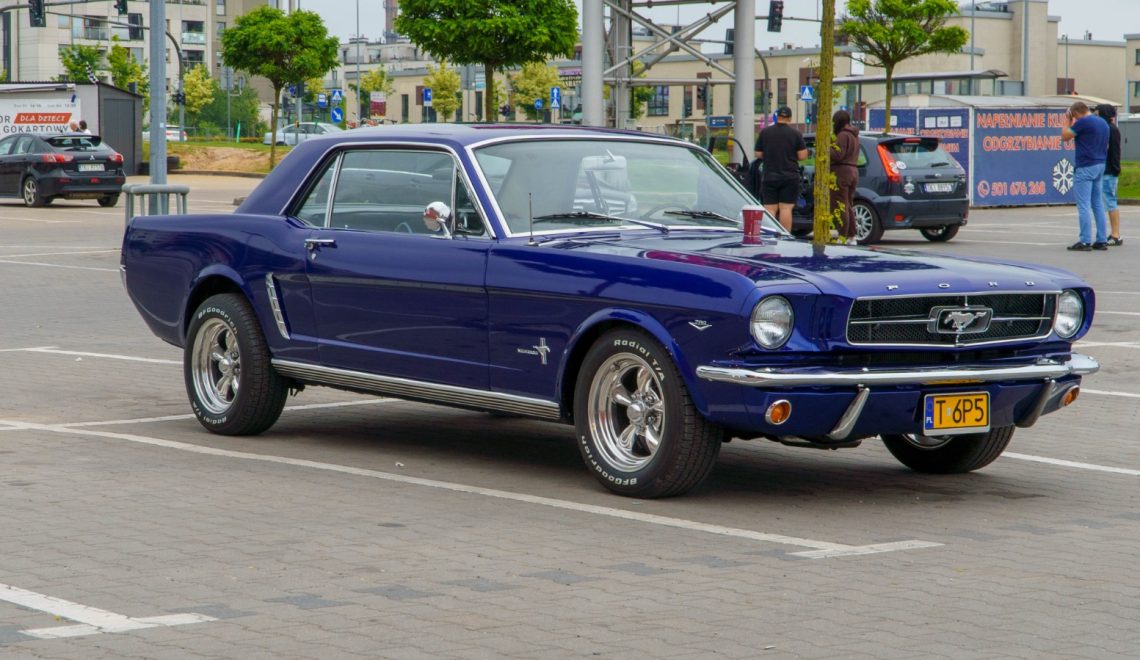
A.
x: 947, y: 414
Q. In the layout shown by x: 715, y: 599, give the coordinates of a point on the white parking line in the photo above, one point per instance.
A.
x: 56, y: 254
x: 109, y: 356
x: 92, y: 620
x: 1072, y: 464
x: 1104, y: 311
x: 1005, y: 243
x: 34, y: 263
x: 40, y: 220
x: 820, y: 549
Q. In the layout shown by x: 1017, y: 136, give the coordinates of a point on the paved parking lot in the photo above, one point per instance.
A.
x: 363, y: 527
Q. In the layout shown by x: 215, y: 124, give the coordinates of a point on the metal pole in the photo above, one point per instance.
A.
x: 593, y: 44
x: 1067, y: 89
x: 358, y: 82
x: 973, y: 10
x: 744, y: 70
x: 621, y: 41
x: 157, y: 103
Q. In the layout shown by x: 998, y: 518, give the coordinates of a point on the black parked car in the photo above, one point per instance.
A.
x: 905, y: 182
x: 39, y: 168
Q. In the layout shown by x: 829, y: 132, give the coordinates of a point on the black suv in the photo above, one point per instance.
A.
x: 905, y: 182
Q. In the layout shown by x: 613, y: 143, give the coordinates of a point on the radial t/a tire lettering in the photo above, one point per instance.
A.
x: 232, y: 385
x: 953, y: 454
x: 638, y: 431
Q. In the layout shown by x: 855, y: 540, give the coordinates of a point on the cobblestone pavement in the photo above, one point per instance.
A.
x: 362, y: 527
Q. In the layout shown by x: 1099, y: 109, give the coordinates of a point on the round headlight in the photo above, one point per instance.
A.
x: 772, y: 321
x: 1070, y: 314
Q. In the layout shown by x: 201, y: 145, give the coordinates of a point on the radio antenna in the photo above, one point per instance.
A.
x: 530, y: 214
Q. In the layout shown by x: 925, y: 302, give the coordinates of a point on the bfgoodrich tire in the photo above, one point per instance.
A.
x: 637, y: 428
x: 952, y: 454
x: 232, y: 386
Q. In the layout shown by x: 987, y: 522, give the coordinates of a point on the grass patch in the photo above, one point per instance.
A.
x: 1129, y: 184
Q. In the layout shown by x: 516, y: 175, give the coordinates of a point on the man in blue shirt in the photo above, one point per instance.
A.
x: 1091, y: 136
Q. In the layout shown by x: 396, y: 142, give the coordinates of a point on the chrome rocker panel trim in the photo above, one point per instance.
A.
x: 419, y: 390
x: 1079, y: 365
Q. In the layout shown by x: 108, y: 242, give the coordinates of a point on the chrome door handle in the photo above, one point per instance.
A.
x: 314, y: 243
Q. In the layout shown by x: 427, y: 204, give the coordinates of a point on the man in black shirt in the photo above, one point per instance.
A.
x: 1107, y: 112
x: 781, y: 147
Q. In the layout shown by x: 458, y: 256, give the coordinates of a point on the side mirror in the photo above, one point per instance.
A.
x: 437, y: 218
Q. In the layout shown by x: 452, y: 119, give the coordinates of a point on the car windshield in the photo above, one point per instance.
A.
x: 573, y: 183
x: 919, y: 153
x: 77, y: 143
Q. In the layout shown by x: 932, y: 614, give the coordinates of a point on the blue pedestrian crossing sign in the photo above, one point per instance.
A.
x: 555, y: 98
x: 807, y: 94
x: 337, y: 96
x: 337, y: 115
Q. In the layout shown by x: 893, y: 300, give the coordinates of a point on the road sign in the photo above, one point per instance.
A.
x: 555, y: 98
x: 337, y: 96
x: 807, y: 94
x: 323, y: 100
x: 337, y: 115
x: 538, y: 104
x: 292, y: 89
x: 427, y: 97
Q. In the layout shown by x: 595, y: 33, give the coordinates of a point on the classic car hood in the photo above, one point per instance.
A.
x: 837, y: 269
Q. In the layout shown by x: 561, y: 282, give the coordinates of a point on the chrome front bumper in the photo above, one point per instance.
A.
x: 1077, y: 364
x: 1044, y: 370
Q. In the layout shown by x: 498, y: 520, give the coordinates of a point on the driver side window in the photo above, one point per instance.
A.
x: 387, y: 190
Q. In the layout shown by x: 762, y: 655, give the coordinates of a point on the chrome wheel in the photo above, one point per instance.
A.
x: 216, y: 365
x: 626, y: 412
x: 31, y: 192
x: 864, y: 221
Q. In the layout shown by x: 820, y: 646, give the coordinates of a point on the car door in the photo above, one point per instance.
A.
x: 8, y: 169
x: 391, y: 297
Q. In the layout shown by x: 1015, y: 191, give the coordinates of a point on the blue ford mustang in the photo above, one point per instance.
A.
x: 599, y: 278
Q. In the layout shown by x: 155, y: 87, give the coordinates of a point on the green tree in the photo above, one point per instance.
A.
x: 534, y: 82
x: 444, y: 83
x: 237, y: 107
x: 375, y: 80
x: 824, y: 134
x: 495, y: 33
x: 76, y: 59
x: 280, y: 48
x: 888, y: 32
x: 125, y: 69
x: 199, y: 88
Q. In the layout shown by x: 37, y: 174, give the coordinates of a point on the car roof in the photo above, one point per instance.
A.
x: 877, y: 136
x: 467, y: 134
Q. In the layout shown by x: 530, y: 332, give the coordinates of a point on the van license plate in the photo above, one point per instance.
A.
x: 939, y: 187
x: 948, y: 414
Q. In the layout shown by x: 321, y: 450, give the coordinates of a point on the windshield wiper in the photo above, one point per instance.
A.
x: 583, y: 217
x: 577, y: 217
x: 704, y: 215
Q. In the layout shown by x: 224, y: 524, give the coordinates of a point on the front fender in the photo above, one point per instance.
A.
x: 595, y: 325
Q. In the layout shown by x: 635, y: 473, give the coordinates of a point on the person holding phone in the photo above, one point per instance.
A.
x: 1090, y: 134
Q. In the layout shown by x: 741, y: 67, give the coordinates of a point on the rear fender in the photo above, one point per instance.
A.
x: 213, y: 280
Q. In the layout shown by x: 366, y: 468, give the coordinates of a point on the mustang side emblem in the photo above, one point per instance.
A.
x: 540, y: 349
x: 700, y: 325
x: 960, y: 320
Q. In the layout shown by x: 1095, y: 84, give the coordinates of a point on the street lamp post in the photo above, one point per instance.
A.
x: 359, y: 86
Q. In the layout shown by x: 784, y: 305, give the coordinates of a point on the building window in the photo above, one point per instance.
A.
x: 1138, y: 55
x: 781, y: 91
x: 90, y: 27
x: 194, y: 32
x: 1136, y: 88
x: 221, y: 29
x: 404, y: 114
x: 193, y: 58
x: 135, y: 32
x: 659, y: 102
x: 220, y: 7
x: 64, y: 23
x: 760, y: 97
x: 687, y: 102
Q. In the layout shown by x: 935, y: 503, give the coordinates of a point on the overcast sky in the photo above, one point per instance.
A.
x: 1106, y: 19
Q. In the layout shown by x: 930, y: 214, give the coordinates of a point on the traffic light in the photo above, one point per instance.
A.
x: 36, y: 13
x: 121, y: 7
x: 775, y: 15
x: 703, y: 94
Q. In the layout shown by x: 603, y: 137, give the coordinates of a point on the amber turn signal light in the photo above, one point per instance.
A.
x: 778, y: 412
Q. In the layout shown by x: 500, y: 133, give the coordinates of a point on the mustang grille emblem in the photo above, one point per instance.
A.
x: 960, y: 320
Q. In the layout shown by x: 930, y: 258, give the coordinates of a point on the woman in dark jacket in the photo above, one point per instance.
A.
x: 843, y: 165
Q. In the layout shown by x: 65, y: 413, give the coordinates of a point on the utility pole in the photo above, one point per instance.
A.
x: 157, y: 104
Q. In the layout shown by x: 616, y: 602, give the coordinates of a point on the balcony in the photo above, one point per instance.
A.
x: 194, y: 38
x: 93, y: 33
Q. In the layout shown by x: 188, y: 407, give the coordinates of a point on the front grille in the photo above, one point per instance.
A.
x: 906, y: 321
